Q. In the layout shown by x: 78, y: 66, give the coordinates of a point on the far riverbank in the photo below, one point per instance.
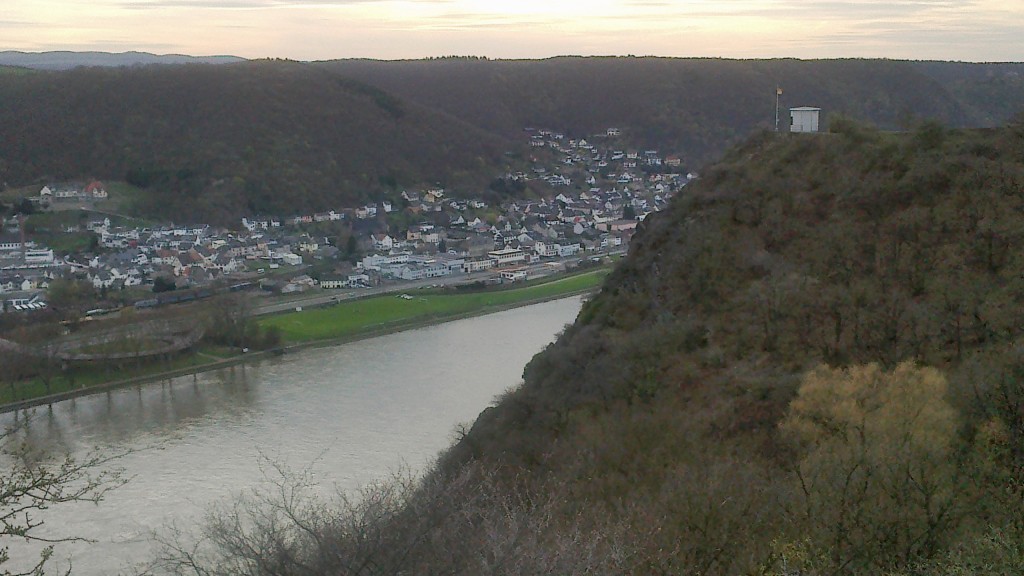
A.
x: 347, y: 322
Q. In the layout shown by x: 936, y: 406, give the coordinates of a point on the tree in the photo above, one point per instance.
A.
x: 629, y: 213
x: 163, y: 284
x: 876, y: 483
x: 28, y: 486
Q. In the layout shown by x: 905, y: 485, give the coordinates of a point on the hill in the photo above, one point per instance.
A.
x: 218, y: 142
x: 65, y: 60
x: 281, y: 137
x: 809, y: 364
x: 693, y: 107
x: 810, y: 360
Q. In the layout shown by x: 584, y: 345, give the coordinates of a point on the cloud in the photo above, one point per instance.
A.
x: 256, y: 4
x: 313, y: 29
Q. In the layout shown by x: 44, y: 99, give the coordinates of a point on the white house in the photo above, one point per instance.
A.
x: 291, y: 259
x: 514, y: 275
x: 383, y: 242
x: 804, y: 119
x: 507, y: 256
x: 567, y: 250
x: 470, y: 266
x: 333, y: 283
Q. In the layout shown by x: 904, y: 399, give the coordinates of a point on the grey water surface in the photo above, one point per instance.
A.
x: 347, y: 414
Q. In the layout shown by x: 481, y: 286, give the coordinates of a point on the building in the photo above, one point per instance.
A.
x: 804, y: 119
x: 507, y: 256
x: 514, y: 275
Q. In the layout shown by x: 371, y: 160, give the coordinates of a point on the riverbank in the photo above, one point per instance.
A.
x: 344, y: 319
x: 347, y: 322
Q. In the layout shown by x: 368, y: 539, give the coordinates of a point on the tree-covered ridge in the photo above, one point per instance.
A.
x: 698, y: 107
x: 280, y: 137
x: 215, y: 143
x: 809, y: 364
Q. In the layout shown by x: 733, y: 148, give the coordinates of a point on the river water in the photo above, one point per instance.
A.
x: 347, y: 415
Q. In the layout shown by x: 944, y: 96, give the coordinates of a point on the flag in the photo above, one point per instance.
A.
x: 778, y: 91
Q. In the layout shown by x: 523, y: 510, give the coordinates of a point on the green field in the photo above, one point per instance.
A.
x: 380, y: 313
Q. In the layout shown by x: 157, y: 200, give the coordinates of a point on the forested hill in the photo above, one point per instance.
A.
x: 216, y: 142
x: 694, y: 107
x: 282, y: 137
x: 810, y: 364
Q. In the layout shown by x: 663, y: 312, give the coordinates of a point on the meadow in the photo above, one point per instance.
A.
x: 391, y: 311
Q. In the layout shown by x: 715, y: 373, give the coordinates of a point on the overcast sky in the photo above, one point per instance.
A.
x: 971, y: 30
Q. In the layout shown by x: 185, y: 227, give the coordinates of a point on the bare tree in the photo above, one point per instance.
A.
x: 467, y: 523
x: 30, y: 485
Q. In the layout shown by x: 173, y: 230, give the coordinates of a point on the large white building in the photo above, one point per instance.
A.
x: 507, y: 256
x: 804, y: 119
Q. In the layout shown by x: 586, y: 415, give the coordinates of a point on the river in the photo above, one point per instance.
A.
x: 347, y: 414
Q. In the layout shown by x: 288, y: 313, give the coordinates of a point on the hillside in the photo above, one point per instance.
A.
x: 809, y: 364
x: 219, y: 142
x: 747, y: 384
x: 694, y: 107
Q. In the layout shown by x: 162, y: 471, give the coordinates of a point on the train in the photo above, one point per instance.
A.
x: 181, y: 296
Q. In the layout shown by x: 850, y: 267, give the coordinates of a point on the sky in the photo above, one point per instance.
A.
x: 967, y: 30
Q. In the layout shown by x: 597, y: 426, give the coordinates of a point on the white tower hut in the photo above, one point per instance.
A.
x: 803, y: 119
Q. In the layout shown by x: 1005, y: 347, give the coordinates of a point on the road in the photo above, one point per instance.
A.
x: 321, y: 297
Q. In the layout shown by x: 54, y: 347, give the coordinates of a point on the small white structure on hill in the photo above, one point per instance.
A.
x: 804, y: 119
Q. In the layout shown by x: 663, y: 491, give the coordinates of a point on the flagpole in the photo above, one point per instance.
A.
x: 778, y: 93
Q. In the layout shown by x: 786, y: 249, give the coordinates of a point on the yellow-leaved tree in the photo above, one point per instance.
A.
x: 876, y: 481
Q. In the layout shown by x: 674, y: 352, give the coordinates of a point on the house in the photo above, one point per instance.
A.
x: 304, y: 280
x: 804, y: 119
x: 619, y: 225
x: 514, y: 275
x: 567, y: 250
x: 435, y: 268
x: 96, y: 190
x: 333, y: 282
x: 358, y: 280
x: 98, y: 225
x: 66, y: 194
x: 291, y: 259
x: 9, y: 242
x: 477, y: 265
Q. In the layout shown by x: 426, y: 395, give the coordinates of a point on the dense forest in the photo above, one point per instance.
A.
x: 809, y: 365
x: 217, y: 142
x: 694, y: 107
x: 282, y: 137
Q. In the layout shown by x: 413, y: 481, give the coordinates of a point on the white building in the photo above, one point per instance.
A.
x: 507, y: 256
x: 804, y: 119
x: 39, y: 256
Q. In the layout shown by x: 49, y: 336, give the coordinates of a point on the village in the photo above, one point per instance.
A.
x: 585, y: 200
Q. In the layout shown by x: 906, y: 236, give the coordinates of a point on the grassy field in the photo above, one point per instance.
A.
x: 352, y: 318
